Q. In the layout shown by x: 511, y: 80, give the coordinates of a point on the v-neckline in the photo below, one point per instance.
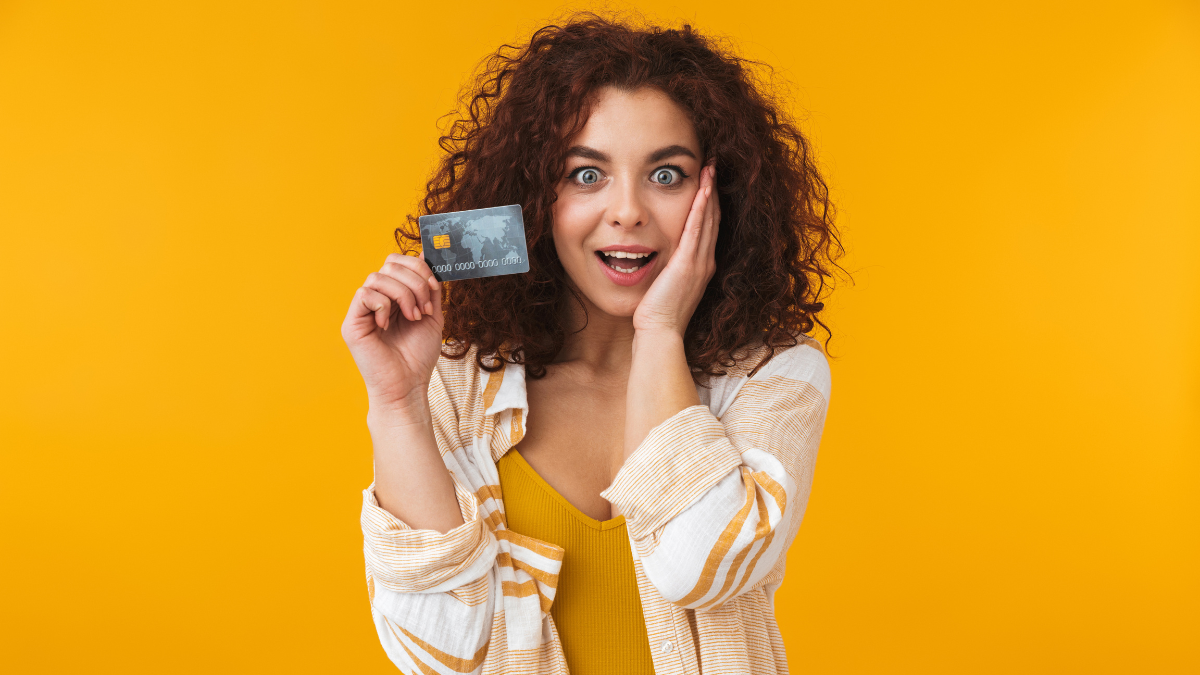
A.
x: 601, y: 525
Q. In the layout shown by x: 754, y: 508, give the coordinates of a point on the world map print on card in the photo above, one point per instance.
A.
x: 477, y: 243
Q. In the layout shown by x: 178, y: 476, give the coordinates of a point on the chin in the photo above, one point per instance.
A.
x: 617, y: 306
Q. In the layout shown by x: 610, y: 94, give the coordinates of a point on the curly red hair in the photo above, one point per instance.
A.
x: 776, y: 246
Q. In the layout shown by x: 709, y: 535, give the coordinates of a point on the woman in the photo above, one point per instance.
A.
x: 603, y: 465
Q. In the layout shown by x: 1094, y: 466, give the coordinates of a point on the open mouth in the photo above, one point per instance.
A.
x: 624, y: 261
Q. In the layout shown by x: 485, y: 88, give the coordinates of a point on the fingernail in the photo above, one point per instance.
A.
x: 429, y: 308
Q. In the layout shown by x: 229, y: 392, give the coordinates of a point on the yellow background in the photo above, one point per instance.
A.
x: 190, y: 193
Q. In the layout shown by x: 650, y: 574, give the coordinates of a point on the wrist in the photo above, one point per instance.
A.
x: 661, y: 346
x: 408, y: 410
x: 658, y: 336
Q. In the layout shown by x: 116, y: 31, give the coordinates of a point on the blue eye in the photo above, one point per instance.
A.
x: 666, y: 176
x: 589, y: 176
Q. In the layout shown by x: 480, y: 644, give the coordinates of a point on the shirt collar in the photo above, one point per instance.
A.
x: 504, y: 389
x: 504, y: 399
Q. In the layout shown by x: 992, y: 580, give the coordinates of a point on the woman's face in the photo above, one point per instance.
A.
x: 631, y: 175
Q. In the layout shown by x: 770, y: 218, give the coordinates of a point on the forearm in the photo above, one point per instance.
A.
x: 660, y: 385
x: 411, y: 480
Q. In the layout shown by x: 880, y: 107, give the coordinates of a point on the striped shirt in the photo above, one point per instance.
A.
x: 712, y: 498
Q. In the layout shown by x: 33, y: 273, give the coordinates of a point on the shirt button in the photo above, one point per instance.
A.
x: 666, y: 647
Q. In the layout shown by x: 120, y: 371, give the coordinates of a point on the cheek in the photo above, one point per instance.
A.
x: 672, y: 216
x: 572, y: 223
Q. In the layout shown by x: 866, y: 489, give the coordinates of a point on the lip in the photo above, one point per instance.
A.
x: 627, y: 248
x: 621, y: 278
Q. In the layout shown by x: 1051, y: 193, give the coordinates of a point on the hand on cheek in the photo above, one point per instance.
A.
x: 670, y: 301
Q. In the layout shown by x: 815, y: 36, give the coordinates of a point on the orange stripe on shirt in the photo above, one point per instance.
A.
x: 724, y: 542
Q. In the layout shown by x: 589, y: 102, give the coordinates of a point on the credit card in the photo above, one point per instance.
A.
x: 476, y: 243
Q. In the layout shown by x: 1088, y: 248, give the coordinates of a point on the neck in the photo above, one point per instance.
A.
x: 597, y: 341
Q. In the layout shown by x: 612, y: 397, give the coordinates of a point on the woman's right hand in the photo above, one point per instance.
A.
x: 394, y: 331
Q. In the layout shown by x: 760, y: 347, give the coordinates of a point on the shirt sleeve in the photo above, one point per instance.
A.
x: 712, y: 504
x: 431, y: 592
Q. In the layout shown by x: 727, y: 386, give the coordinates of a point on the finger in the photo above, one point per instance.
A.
x: 695, y: 219
x: 704, y: 231
x: 369, y: 301
x: 435, y: 291
x: 712, y: 219
x: 414, y: 263
x: 416, y: 283
x: 417, y: 265
x: 398, y: 291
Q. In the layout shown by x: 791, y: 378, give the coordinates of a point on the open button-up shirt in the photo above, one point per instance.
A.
x: 712, y: 499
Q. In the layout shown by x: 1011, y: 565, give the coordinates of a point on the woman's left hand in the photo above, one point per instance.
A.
x: 672, y: 298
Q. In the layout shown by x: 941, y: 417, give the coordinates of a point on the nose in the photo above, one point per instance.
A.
x: 626, y: 209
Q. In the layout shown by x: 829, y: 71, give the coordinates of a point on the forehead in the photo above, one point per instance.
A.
x: 636, y: 123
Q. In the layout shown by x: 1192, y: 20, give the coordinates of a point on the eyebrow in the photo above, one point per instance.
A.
x: 671, y: 151
x: 584, y: 152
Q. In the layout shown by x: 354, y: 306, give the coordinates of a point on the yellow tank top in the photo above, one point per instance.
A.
x: 596, y: 607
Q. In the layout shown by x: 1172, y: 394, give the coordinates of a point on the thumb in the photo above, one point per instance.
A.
x: 435, y: 295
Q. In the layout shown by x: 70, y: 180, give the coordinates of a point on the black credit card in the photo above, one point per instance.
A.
x: 476, y: 243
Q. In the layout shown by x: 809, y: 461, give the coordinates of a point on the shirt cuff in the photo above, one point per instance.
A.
x: 407, y: 560
x: 678, y: 462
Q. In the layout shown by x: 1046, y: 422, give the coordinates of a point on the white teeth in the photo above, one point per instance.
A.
x: 610, y: 255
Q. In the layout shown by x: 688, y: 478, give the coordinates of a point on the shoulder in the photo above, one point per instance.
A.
x: 472, y: 390
x: 804, y: 362
x: 777, y: 369
x: 458, y: 377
